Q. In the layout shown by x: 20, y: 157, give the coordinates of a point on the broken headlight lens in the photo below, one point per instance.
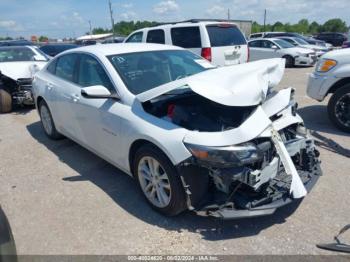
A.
x: 237, y: 155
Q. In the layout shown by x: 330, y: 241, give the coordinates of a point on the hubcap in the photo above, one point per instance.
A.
x: 342, y: 110
x: 46, y: 119
x: 154, y: 182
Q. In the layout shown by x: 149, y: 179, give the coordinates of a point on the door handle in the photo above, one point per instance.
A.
x: 75, y: 98
x: 49, y: 86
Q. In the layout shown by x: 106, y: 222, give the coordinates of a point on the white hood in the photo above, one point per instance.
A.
x: 315, y: 47
x: 301, y: 50
x: 15, y: 70
x: 238, y: 85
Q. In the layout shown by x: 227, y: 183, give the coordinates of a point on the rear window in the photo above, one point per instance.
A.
x: 186, y: 37
x: 156, y: 36
x: 225, y: 35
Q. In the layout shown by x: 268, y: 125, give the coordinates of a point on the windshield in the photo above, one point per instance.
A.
x: 143, y: 71
x: 283, y: 44
x: 17, y: 54
x: 300, y: 41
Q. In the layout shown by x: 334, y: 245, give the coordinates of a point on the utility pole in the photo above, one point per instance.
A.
x: 90, y: 27
x: 111, y: 14
x: 265, y: 21
x: 228, y: 14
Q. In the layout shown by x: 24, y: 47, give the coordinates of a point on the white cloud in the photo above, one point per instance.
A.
x: 74, y: 18
x: 128, y: 6
x: 166, y: 7
x: 216, y: 10
x: 10, y: 25
x: 128, y: 16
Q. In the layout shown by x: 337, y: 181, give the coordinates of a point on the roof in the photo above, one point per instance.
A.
x: 122, y: 48
x: 94, y: 37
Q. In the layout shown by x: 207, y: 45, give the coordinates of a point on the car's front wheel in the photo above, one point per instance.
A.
x: 339, y: 108
x: 290, y: 62
x: 159, y: 181
x: 47, y: 121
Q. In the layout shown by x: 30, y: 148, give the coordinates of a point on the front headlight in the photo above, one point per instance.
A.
x: 325, y: 65
x: 237, y: 155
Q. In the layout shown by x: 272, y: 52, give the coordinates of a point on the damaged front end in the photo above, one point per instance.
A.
x: 251, y: 153
x: 19, y: 89
x: 251, y: 179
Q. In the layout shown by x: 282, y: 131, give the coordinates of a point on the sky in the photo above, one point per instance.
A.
x: 70, y: 18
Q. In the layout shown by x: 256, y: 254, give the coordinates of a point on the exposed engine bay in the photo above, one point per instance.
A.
x: 195, y: 112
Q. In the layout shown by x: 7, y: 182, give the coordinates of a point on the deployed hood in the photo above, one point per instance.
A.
x: 238, y: 85
x: 16, y: 70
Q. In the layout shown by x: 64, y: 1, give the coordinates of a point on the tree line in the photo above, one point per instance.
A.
x: 303, y: 27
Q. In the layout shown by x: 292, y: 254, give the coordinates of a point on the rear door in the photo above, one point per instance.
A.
x: 228, y: 44
x: 188, y: 37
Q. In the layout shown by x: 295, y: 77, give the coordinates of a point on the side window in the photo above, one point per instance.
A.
x: 52, y: 67
x: 254, y: 44
x: 186, y: 37
x: 156, y: 36
x: 266, y: 44
x: 65, y: 67
x: 91, y: 73
x: 135, y: 38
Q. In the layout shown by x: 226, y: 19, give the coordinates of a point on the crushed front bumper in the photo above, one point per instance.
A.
x: 305, y: 60
x: 228, y: 212
x: 298, y: 162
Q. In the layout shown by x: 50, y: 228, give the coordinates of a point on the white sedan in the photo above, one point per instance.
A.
x: 319, y: 50
x: 192, y: 135
x: 266, y: 48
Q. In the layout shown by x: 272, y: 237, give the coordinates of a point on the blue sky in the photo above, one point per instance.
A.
x: 64, y: 18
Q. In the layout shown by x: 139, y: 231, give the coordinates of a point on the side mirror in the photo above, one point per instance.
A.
x: 275, y: 47
x: 98, y: 91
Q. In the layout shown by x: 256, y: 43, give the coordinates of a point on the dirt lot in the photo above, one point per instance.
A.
x: 62, y: 199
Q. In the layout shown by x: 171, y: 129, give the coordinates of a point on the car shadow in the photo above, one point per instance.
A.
x: 316, y: 120
x: 22, y: 110
x: 123, y: 190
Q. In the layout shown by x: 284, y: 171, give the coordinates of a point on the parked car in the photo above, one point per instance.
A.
x: 310, y: 40
x: 346, y: 44
x: 115, y: 40
x: 191, y: 134
x: 220, y: 42
x: 265, y: 48
x: 16, y: 43
x: 18, y: 64
x: 336, y: 39
x: 319, y: 50
x: 332, y: 77
x: 54, y: 49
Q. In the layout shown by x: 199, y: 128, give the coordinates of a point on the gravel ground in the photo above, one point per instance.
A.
x: 62, y: 199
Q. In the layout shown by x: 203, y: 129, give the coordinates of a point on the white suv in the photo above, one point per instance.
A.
x: 332, y: 77
x: 220, y: 42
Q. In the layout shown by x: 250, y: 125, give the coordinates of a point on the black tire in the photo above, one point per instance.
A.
x: 53, y: 133
x: 333, y: 106
x: 177, y: 203
x: 5, y: 101
x: 289, y: 61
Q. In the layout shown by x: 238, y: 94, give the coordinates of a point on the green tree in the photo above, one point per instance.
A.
x: 278, y: 26
x: 335, y: 25
x: 43, y: 38
x: 314, y: 28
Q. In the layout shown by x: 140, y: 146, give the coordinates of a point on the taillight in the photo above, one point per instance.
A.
x: 170, y: 111
x: 248, y: 57
x: 206, y: 53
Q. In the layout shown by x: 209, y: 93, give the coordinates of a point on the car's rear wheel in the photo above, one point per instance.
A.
x: 47, y: 121
x: 289, y: 61
x: 5, y: 101
x: 159, y: 181
x: 339, y: 108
